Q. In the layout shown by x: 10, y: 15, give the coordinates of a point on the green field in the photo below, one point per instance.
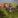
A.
x: 10, y: 14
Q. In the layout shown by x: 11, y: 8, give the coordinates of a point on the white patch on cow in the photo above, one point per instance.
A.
x: 9, y: 10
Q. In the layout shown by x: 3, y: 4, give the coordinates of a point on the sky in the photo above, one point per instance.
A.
x: 2, y: 1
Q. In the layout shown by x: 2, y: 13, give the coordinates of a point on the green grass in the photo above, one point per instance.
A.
x: 12, y: 15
